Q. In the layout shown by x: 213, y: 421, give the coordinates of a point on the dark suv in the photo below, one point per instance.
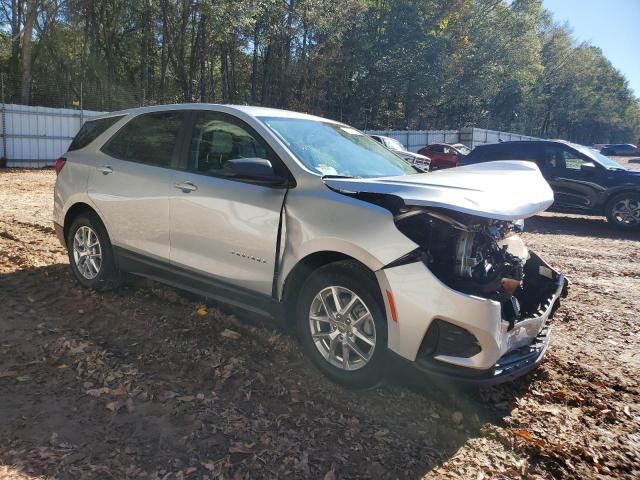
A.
x: 621, y: 149
x: 583, y: 180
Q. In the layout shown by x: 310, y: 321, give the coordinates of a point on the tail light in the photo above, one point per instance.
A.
x: 59, y: 164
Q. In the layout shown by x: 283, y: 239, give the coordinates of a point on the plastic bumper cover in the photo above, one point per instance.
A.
x: 507, y: 353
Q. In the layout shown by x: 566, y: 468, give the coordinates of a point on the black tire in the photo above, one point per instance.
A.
x: 355, y: 278
x: 612, y: 206
x: 108, y: 276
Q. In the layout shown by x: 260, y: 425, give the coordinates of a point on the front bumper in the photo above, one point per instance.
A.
x: 505, y: 351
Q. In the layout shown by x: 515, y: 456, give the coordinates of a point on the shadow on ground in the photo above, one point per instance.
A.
x: 558, y: 224
x: 134, y: 383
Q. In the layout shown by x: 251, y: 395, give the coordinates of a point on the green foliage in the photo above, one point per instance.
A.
x: 373, y: 63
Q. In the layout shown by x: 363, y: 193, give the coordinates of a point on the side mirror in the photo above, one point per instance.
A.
x: 253, y: 170
x: 588, y: 167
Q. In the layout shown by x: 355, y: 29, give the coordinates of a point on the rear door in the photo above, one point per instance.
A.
x: 131, y: 181
x: 223, y: 228
x: 575, y: 188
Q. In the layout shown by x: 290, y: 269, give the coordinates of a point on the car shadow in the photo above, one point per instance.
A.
x: 560, y: 224
x: 135, y: 382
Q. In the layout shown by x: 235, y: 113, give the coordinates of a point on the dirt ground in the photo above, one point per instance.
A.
x: 139, y: 383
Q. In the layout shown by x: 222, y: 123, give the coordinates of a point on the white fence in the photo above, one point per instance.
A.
x: 414, y: 140
x: 37, y: 136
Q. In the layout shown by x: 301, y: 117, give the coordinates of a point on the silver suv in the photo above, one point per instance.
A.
x: 312, y: 222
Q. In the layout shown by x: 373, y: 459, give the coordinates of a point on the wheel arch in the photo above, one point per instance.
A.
x: 618, y: 191
x: 74, y: 211
x: 303, y: 269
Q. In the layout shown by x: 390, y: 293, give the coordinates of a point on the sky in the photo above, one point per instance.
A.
x: 612, y: 25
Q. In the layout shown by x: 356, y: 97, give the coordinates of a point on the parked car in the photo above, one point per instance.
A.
x: 583, y: 180
x: 312, y: 222
x: 421, y: 162
x: 620, y: 149
x: 444, y: 155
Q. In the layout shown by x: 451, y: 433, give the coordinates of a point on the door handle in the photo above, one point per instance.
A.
x: 105, y: 169
x: 186, y: 187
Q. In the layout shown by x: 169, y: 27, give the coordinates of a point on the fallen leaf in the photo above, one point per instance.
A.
x: 118, y: 391
x: 167, y: 395
x: 96, y: 392
x: 226, y: 333
x: 331, y: 474
x: 186, y: 398
x: 241, y: 448
x: 201, y: 311
x: 209, y: 466
x: 114, y: 406
x: 524, y: 435
x: 23, y: 378
x: 457, y: 417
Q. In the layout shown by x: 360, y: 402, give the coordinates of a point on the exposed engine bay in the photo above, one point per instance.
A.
x: 481, y: 257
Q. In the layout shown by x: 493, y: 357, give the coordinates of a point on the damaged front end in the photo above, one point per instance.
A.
x: 471, y: 300
x: 484, y: 258
x: 481, y: 257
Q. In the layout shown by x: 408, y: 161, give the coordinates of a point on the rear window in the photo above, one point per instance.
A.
x: 91, y: 130
x: 149, y: 138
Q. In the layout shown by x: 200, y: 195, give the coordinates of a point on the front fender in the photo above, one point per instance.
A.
x: 326, y: 221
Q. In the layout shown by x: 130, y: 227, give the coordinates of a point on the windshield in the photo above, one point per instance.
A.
x: 606, y: 162
x: 463, y: 149
x: 393, y: 144
x: 336, y: 149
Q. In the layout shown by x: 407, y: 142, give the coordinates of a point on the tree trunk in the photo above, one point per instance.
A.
x: 14, y: 65
x: 254, y: 64
x: 203, y: 63
x: 29, y: 20
x: 163, y: 51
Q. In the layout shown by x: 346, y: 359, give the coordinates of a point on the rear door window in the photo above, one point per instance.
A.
x: 149, y: 138
x: 91, y: 130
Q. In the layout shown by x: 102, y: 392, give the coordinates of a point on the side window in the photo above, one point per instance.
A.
x: 437, y: 148
x: 216, y: 139
x: 91, y: 130
x: 148, y: 138
x: 560, y: 157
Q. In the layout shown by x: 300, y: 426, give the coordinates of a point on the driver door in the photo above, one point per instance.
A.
x: 223, y: 228
x: 576, y: 187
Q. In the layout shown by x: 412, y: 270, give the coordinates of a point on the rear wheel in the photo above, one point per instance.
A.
x: 623, y: 210
x: 342, y: 326
x: 90, y: 253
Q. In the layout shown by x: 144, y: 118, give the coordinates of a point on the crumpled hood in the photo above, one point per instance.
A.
x: 503, y: 190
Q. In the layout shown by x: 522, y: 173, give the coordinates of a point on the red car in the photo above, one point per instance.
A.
x: 444, y: 155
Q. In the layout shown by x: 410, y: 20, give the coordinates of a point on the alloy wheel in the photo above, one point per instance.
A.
x: 87, y: 252
x: 626, y: 211
x: 342, y: 328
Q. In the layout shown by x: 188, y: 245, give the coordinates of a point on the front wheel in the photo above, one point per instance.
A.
x: 342, y: 325
x: 623, y: 210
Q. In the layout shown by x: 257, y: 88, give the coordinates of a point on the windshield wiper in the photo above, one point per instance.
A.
x: 339, y: 176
